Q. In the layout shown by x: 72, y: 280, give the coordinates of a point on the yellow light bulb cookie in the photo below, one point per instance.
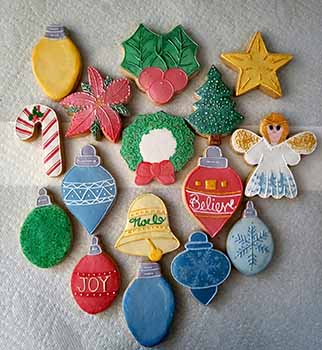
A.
x: 56, y: 63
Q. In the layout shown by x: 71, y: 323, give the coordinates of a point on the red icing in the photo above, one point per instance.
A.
x: 161, y: 91
x: 163, y: 172
x: 150, y: 75
x: 177, y: 77
x: 161, y: 86
x: 96, y: 105
x: 212, y: 207
x: 95, y: 282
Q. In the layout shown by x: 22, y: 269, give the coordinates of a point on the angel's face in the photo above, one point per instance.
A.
x: 275, y: 132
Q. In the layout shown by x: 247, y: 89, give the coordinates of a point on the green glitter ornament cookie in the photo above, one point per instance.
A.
x: 214, y: 113
x: 156, y: 146
x: 46, y: 234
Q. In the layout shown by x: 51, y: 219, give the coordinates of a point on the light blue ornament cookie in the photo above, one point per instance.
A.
x: 250, y: 244
x: 88, y: 189
x: 201, y: 268
x: 148, y: 305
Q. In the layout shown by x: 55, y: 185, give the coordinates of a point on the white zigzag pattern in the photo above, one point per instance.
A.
x: 89, y: 187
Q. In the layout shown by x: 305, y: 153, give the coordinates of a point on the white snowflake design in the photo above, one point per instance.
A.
x: 251, y: 244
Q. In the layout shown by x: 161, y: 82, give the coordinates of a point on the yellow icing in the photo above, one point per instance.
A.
x: 211, y: 184
x: 257, y: 67
x: 304, y: 142
x: 147, y: 232
x: 57, y: 66
x: 243, y: 140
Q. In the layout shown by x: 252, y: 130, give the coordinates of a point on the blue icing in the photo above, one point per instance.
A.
x: 89, y: 193
x: 148, y: 306
x: 205, y: 295
x: 201, y: 267
x: 250, y: 245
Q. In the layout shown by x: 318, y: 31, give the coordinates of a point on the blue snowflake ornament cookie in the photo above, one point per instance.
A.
x: 88, y: 189
x: 250, y: 245
x: 201, y: 268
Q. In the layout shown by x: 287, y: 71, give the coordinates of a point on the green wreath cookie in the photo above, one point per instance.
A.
x: 155, y: 146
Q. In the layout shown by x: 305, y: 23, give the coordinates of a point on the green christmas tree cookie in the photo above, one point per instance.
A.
x: 214, y: 114
x: 161, y: 64
x: 155, y: 146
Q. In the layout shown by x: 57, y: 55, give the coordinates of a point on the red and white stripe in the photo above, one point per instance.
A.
x: 50, y: 136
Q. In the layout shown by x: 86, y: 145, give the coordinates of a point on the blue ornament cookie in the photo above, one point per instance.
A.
x: 201, y: 268
x: 250, y: 245
x: 88, y: 189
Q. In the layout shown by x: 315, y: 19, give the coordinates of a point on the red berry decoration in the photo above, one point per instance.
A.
x: 213, y: 191
x: 95, y: 280
x: 162, y: 85
x: 177, y: 77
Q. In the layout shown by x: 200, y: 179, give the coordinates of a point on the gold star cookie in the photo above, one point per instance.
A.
x: 257, y: 67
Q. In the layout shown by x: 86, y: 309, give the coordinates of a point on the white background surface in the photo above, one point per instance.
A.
x: 279, y: 309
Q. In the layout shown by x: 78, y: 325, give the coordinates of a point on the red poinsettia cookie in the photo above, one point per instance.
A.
x: 98, y: 107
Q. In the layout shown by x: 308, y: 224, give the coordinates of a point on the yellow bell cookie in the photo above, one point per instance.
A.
x: 56, y: 63
x: 147, y: 232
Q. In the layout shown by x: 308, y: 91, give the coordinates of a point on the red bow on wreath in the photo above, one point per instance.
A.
x: 163, y: 172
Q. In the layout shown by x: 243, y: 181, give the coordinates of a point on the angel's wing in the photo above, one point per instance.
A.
x: 243, y: 140
x: 303, y: 143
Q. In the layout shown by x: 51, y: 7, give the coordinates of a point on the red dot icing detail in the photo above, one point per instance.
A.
x: 149, y: 76
x: 161, y: 91
x: 177, y: 77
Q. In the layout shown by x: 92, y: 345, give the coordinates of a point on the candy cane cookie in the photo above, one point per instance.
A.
x: 25, y: 129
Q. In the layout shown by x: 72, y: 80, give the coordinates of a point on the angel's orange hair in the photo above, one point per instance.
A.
x: 274, y: 119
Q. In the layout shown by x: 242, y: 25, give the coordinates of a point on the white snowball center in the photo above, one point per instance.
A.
x: 157, y: 145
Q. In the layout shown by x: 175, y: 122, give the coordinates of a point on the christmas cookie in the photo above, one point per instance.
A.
x: 95, y: 280
x: 272, y: 154
x: 155, y: 146
x: 56, y: 63
x: 201, y: 268
x: 98, y: 108
x: 148, y: 305
x: 160, y: 64
x: 249, y: 243
x: 88, y: 189
x: 214, y: 113
x: 46, y: 234
x: 212, y: 191
x: 147, y: 232
x: 257, y: 68
x: 27, y: 121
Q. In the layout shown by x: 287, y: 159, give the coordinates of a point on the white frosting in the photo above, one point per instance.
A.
x: 157, y: 145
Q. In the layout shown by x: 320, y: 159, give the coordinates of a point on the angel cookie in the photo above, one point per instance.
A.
x: 272, y: 154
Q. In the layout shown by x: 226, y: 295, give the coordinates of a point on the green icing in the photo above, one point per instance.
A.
x: 46, y: 236
x: 121, y: 109
x: 154, y: 220
x: 35, y: 113
x: 143, y: 124
x: 107, y: 81
x: 148, y: 49
x: 86, y: 87
x: 215, y: 111
x: 96, y: 130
